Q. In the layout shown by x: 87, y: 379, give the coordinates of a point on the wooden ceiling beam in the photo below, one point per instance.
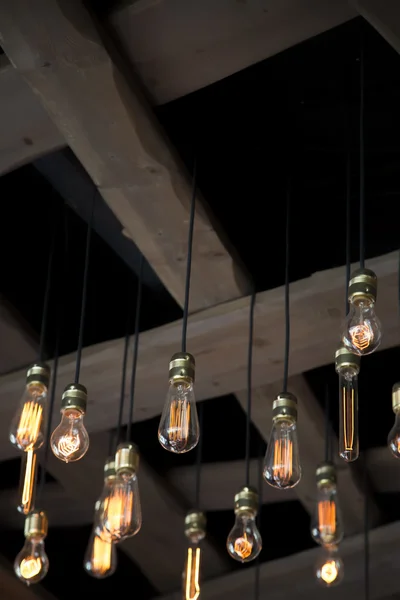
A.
x: 383, y: 16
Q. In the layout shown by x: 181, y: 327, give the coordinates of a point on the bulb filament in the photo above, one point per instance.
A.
x: 329, y: 571
x: 243, y: 546
x: 29, y: 481
x: 361, y: 335
x: 283, y: 461
x: 68, y: 444
x: 348, y: 417
x: 178, y: 430
x: 118, y: 509
x: 30, y: 567
x: 101, y: 555
x: 29, y: 424
x: 192, y: 587
x: 327, y: 520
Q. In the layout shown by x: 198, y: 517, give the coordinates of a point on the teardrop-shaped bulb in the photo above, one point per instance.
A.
x: 362, y: 331
x: 70, y: 440
x: 179, y: 429
x: 26, y: 432
x: 244, y: 541
x: 121, y: 514
x: 100, y: 558
x: 326, y: 525
x: 282, y: 467
x: 329, y: 569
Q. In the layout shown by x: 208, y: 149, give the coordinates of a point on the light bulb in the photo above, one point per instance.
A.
x: 282, y: 467
x: 244, y: 541
x: 179, y: 429
x: 195, y: 524
x: 109, y: 480
x: 394, y: 435
x: 70, y: 440
x: 121, y: 514
x: 26, y: 432
x: 362, y: 331
x: 101, y: 557
x: 27, y: 483
x: 329, y: 569
x: 347, y: 365
x: 326, y: 525
x: 32, y: 564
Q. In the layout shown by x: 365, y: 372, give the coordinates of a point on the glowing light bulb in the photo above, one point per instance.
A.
x: 362, y: 331
x: 32, y: 564
x: 326, y: 525
x: 26, y: 432
x: 70, y: 440
x: 109, y: 480
x: 282, y: 462
x: 329, y: 569
x: 394, y: 435
x: 179, y: 429
x: 27, y: 486
x: 195, y: 523
x: 347, y: 366
x: 101, y: 557
x: 120, y: 513
x: 244, y: 540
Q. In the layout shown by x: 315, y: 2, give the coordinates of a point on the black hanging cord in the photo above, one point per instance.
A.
x: 189, y: 258
x: 287, y: 313
x: 249, y: 382
x: 117, y: 436
x: 84, y: 290
x: 348, y: 233
x: 328, y: 453
x: 47, y: 290
x: 366, y: 533
x: 135, y: 349
x: 111, y: 442
x: 260, y: 505
x: 362, y: 160
x: 199, y: 452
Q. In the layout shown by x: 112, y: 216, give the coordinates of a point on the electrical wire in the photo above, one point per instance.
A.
x: 47, y: 289
x: 84, y: 290
x: 328, y: 453
x: 189, y: 258
x: 287, y: 312
x: 260, y: 505
x: 249, y: 382
x: 348, y: 233
x: 199, y: 453
x: 117, y: 436
x: 362, y: 159
x: 366, y: 532
x: 135, y: 348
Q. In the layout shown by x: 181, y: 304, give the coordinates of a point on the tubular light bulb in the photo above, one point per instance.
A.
x: 329, y: 569
x: 244, y: 541
x: 26, y: 432
x: 394, y: 435
x: 347, y: 365
x: 101, y: 557
x: 362, y: 331
x: 27, y: 485
x: 121, y: 514
x: 109, y: 480
x: 70, y: 440
x: 326, y: 526
x: 179, y: 429
x: 32, y: 564
x: 282, y: 467
x: 195, y: 524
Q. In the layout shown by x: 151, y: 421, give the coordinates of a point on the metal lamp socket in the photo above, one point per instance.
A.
x: 363, y: 284
x: 345, y: 359
x: 285, y: 407
x: 195, y: 525
x: 36, y: 524
x: 325, y: 474
x: 74, y: 396
x: 38, y: 373
x: 109, y: 468
x: 126, y: 459
x: 182, y: 368
x: 246, y: 500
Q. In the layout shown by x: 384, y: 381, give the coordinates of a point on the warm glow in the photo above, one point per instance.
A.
x: 118, y: 508
x: 29, y: 425
x: 329, y: 571
x: 179, y: 419
x: 348, y: 412
x: 101, y: 556
x: 191, y: 581
x: 70, y: 442
x: 327, y: 520
x: 361, y: 335
x: 29, y: 482
x: 30, y: 567
x: 243, y: 546
x: 283, y: 461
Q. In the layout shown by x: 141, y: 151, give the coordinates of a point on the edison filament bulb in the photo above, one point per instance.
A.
x: 27, y: 482
x: 109, y: 480
x: 326, y: 526
x: 70, y: 440
x: 32, y: 564
x: 101, y: 555
x: 347, y: 366
x: 394, y: 435
x: 195, y: 531
x: 329, y: 568
x: 121, y: 515
x: 362, y: 331
x: 244, y: 541
x: 179, y: 429
x: 26, y: 432
x: 282, y: 467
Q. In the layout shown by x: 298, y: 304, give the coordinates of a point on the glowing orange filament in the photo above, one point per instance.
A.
x: 327, y: 520
x: 192, y: 585
x: 101, y: 555
x: 243, y: 546
x: 329, y: 572
x: 348, y: 410
x: 119, y: 509
x: 361, y: 335
x: 29, y: 482
x: 179, y: 420
x: 29, y: 425
x: 283, y: 460
x: 30, y: 567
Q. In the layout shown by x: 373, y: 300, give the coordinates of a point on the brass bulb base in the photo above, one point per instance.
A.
x: 396, y: 397
x: 126, y: 459
x: 109, y: 468
x: 195, y: 525
x: 36, y: 524
x: 182, y: 368
x: 345, y: 359
x: 74, y: 396
x: 38, y: 373
x: 246, y: 500
x: 363, y: 284
x: 284, y: 407
x: 325, y: 474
